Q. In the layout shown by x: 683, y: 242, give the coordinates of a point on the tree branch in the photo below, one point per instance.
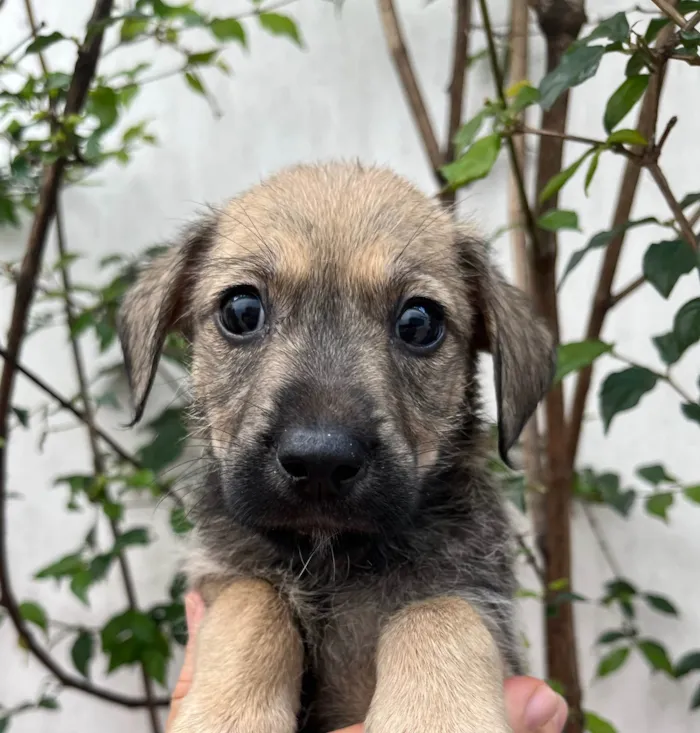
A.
x: 402, y: 63
x: 83, y: 73
x: 627, y: 290
x: 66, y: 405
x: 671, y: 12
x: 463, y: 12
x: 98, y: 461
x: 602, y: 301
x: 683, y: 223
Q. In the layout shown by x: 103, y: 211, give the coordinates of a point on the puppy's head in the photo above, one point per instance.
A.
x: 335, y: 314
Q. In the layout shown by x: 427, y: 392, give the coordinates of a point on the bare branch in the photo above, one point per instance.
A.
x: 683, y: 223
x: 670, y: 11
x: 463, y: 11
x: 627, y: 290
x: 403, y: 65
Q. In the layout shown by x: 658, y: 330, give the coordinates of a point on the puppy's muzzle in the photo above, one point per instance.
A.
x: 321, y: 463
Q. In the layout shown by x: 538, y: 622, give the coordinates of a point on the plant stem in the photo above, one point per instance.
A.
x: 602, y: 301
x: 683, y: 223
x: 670, y: 11
x: 627, y: 290
x: 463, y: 12
x: 97, y: 458
x: 66, y: 405
x: 409, y: 84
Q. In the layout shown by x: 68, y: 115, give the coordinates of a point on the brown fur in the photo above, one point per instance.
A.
x: 414, y: 574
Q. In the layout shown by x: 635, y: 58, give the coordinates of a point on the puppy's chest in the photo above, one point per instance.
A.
x: 339, y: 679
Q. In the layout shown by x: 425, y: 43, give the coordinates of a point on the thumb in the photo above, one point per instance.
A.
x: 194, y: 613
x: 533, y: 706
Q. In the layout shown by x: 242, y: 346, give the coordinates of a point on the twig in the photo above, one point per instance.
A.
x: 565, y: 136
x: 463, y: 11
x: 19, y: 44
x: 627, y: 290
x: 98, y: 461
x: 602, y: 542
x: 695, y: 218
x: 515, y: 167
x: 659, y: 375
x: 66, y: 405
x: 83, y: 74
x: 683, y: 223
x: 671, y: 12
x: 531, y: 559
x: 694, y: 20
x: 402, y: 62
x: 602, y: 301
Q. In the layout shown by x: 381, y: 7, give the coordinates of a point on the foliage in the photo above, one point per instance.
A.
x: 35, y: 131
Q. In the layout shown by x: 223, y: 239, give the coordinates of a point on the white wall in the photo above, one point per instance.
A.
x: 340, y: 97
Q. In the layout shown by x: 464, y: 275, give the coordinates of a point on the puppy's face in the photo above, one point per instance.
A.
x: 334, y: 313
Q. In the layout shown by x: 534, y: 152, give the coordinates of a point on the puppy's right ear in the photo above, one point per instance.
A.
x: 157, y: 303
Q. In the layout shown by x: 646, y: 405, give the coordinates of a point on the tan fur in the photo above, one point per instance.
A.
x: 438, y: 670
x: 248, y: 665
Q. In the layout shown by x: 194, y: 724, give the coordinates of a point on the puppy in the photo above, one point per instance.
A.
x: 352, y: 548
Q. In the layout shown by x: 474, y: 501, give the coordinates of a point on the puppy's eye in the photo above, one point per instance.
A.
x: 241, y: 312
x: 421, y: 324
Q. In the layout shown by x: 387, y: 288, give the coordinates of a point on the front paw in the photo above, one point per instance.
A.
x: 205, y: 714
x: 394, y: 719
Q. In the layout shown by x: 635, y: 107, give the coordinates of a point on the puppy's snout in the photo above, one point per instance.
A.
x: 322, y: 462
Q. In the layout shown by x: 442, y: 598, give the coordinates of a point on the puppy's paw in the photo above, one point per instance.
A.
x: 210, y: 716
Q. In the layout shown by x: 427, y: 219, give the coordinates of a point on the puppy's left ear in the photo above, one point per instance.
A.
x: 523, y: 348
x: 157, y: 303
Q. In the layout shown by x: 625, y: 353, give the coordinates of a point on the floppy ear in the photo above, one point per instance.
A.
x: 156, y: 304
x: 523, y: 349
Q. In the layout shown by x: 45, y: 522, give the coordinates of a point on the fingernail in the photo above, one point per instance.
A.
x: 541, y: 708
x: 190, y: 610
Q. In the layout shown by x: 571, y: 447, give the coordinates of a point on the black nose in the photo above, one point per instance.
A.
x: 323, y: 462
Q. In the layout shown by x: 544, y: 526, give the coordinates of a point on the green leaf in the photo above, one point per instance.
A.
x: 525, y: 97
x: 609, y: 637
x: 41, y: 42
x: 626, y: 137
x: 657, y: 656
x: 203, y: 57
x: 695, y: 700
x: 622, y: 391
x: 280, y: 25
x: 616, y: 29
x: 82, y: 651
x: 194, y: 82
x: 592, y: 168
x: 475, y: 164
x: 137, y: 536
x: 576, y: 66
x: 35, y: 614
x: 689, y: 200
x: 557, y: 182
x: 67, y: 566
x: 178, y: 586
x: 613, y: 661
x: 228, y: 29
x: 154, y: 663
x: 577, y: 355
x: 48, y: 703
x: 103, y: 103
x: 692, y: 411
x: 655, y: 474
x: 4, y: 723
x: 79, y: 585
x: 132, y: 28
x: 22, y: 415
x: 168, y: 444
x: 179, y: 522
x: 556, y: 219
x: 638, y: 62
x: 692, y: 493
x: 596, y: 724
x: 688, y: 663
x: 665, y: 262
x: 659, y: 504
x: 661, y: 604
x: 623, y: 99
x: 686, y: 332
x: 467, y: 133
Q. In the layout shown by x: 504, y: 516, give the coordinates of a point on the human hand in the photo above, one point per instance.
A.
x: 532, y: 706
